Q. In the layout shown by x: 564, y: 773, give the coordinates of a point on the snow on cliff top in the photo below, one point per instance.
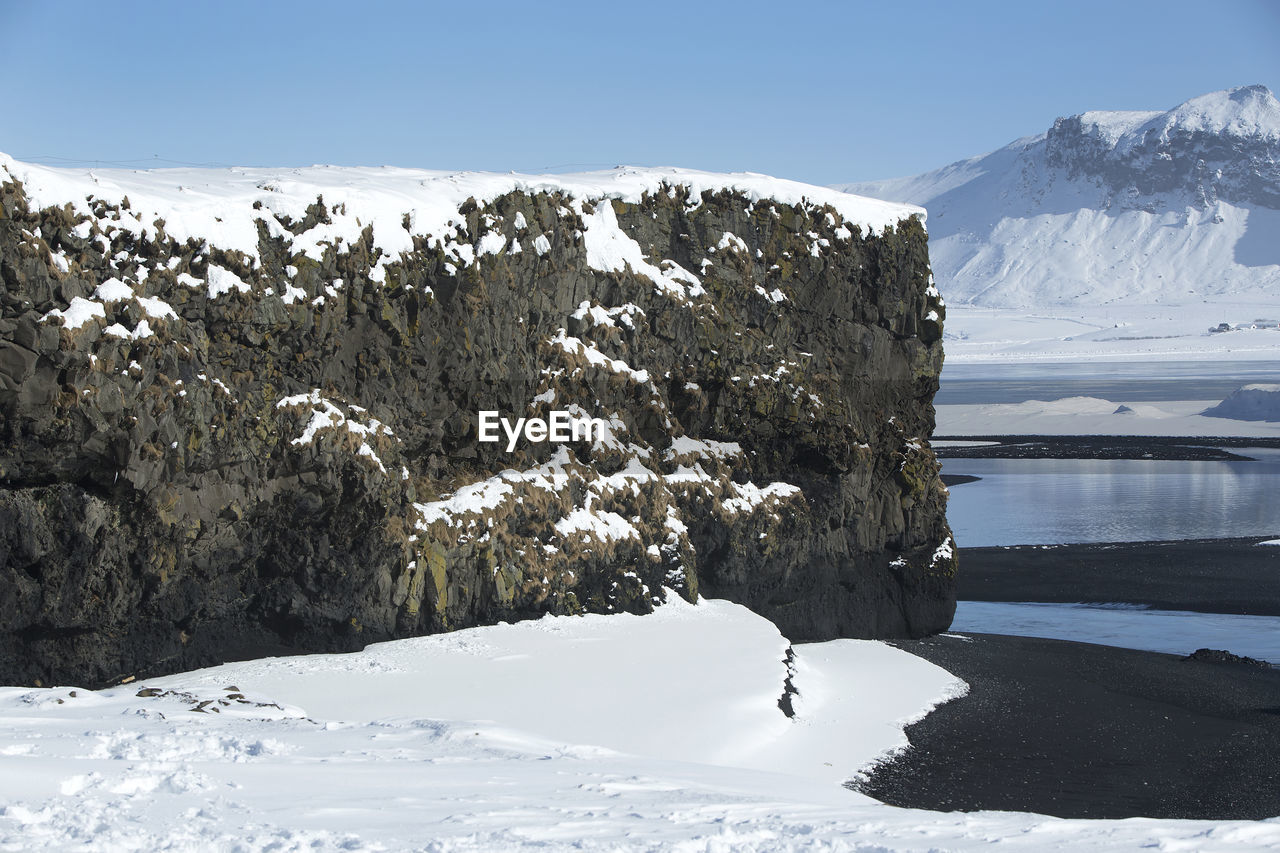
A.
x: 1243, y: 112
x: 218, y: 204
x: 1125, y: 217
x: 1111, y: 125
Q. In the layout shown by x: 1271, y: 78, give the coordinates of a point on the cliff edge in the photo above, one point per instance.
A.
x: 241, y: 409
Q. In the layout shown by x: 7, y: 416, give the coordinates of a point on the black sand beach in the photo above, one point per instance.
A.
x: 1100, y: 447
x: 1077, y: 730
x: 1206, y: 575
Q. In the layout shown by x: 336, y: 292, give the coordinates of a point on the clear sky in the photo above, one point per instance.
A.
x: 820, y: 92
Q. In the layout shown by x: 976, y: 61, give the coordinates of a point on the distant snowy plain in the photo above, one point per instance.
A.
x: 1118, y: 332
x: 660, y: 732
x: 1097, y: 416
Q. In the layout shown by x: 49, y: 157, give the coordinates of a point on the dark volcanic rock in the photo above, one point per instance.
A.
x: 1223, y: 656
x: 1218, y: 146
x: 212, y: 452
x: 1204, y: 575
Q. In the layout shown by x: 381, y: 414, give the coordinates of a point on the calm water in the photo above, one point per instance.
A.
x: 1175, y: 632
x: 1053, y: 501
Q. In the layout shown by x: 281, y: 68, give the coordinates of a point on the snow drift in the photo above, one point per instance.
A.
x: 1260, y: 402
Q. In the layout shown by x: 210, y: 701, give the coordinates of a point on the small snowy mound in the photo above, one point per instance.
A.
x: 1063, y: 406
x: 1082, y: 407
x: 1250, y: 403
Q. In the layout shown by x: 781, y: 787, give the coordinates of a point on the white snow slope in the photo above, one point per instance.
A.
x: 1091, y: 221
x: 1258, y: 402
x: 659, y: 732
x: 1117, y: 209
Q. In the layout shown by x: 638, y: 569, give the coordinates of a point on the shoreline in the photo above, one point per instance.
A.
x: 1147, y: 447
x: 1080, y: 730
x: 1075, y: 730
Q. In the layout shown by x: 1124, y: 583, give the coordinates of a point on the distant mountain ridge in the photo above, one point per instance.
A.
x: 1138, y: 207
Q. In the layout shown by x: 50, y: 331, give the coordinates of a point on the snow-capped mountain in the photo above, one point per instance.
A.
x: 1105, y: 207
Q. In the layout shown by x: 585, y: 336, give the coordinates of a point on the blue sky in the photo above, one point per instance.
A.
x: 820, y: 92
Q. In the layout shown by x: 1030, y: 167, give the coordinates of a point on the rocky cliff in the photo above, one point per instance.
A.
x: 1224, y: 146
x: 240, y: 409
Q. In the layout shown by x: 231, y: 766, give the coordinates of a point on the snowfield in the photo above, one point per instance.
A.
x: 660, y: 732
x: 1256, y: 402
x: 1097, y: 416
x: 1115, y: 332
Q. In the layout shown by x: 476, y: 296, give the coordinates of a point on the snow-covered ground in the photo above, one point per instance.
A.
x: 1096, y: 416
x: 1114, y: 332
x: 659, y: 732
x: 1256, y: 402
x: 1079, y: 366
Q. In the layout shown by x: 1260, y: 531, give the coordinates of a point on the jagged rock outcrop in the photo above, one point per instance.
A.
x: 240, y: 410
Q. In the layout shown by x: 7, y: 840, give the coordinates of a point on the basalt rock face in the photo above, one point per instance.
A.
x: 214, y: 448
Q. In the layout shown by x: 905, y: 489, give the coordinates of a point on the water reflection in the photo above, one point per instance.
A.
x: 1055, y: 501
x: 1172, y: 631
